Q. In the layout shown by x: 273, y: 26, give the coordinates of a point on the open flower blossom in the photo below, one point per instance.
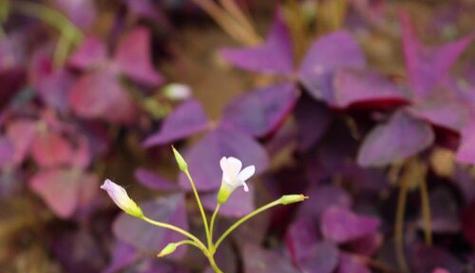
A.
x: 233, y: 177
x: 121, y: 198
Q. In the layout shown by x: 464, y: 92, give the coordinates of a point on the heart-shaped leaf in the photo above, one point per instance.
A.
x: 258, y: 260
x: 154, y: 181
x: 99, y: 95
x: 328, y: 54
x: 92, y: 52
x: 188, y: 119
x: 63, y: 189
x: 428, y: 66
x: 401, y: 137
x: 133, y: 57
x: 51, y: 149
x: 341, y: 225
x: 274, y: 56
x: 259, y: 112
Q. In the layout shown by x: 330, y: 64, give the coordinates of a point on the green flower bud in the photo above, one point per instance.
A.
x: 292, y: 198
x: 180, y: 160
x: 167, y: 250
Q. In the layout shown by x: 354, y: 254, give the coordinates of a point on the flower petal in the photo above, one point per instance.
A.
x: 247, y: 173
x: 245, y: 186
x: 232, y: 167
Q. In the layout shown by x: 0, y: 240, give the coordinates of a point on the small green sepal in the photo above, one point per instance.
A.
x: 167, y: 250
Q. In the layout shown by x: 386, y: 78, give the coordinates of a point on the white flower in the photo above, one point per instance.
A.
x: 233, y: 177
x: 177, y: 91
x: 121, y: 198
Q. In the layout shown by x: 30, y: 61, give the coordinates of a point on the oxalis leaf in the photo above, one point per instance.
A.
x: 401, y: 137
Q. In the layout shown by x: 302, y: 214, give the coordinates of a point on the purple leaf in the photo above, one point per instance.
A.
x: 313, y: 119
x: 341, y: 225
x: 21, y: 133
x: 300, y: 238
x: 188, y: 119
x: 441, y: 111
x: 7, y: 152
x: 81, y: 12
x: 323, y: 197
x: 239, y: 204
x: 351, y: 264
x: 51, y: 84
x: 440, y: 270
x: 123, y: 256
x: 364, y: 87
x: 100, y: 95
x: 145, y: 9
x: 401, y: 137
x: 63, y: 189
x: 274, y: 56
x: 444, y: 212
x: 258, y: 260
x: 149, y: 238
x: 154, y: 181
x: 428, y: 66
x: 91, y: 53
x: 321, y: 258
x: 466, y: 150
x: 324, y: 58
x: 133, y: 57
x: 260, y: 112
x: 426, y: 259
x: 203, y: 158
x: 367, y: 245
x: 51, y: 149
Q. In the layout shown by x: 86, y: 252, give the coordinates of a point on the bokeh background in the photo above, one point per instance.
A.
x: 366, y: 106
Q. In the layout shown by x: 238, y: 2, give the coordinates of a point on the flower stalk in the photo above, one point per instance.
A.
x: 233, y: 177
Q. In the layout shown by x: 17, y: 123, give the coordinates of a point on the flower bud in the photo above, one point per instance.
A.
x: 292, y: 198
x: 180, y: 160
x: 167, y: 250
x: 121, y: 198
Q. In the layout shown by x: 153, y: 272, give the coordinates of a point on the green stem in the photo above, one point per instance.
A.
x: 244, y: 219
x: 185, y: 233
x: 71, y: 34
x: 213, y: 264
x: 200, y: 206
x: 213, y: 220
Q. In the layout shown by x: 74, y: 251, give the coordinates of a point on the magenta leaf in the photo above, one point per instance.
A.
x: 401, y: 137
x: 21, y: 133
x: 441, y: 111
x: 258, y: 260
x: 148, y: 238
x: 342, y: 225
x: 100, y: 95
x: 428, y: 66
x: 364, y: 87
x: 424, y: 258
x: 91, y: 53
x: 466, y: 150
x: 328, y: 196
x: 203, y: 157
x: 352, y: 264
x: 133, y: 57
x: 187, y: 119
x: 81, y: 12
x: 324, y: 58
x: 300, y: 238
x: 154, y: 181
x: 321, y: 258
x: 239, y: 204
x: 52, y: 84
x: 7, y: 152
x: 63, y: 190
x: 51, y: 149
x: 122, y: 256
x: 440, y: 270
x: 260, y: 112
x: 367, y: 245
x: 274, y: 56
